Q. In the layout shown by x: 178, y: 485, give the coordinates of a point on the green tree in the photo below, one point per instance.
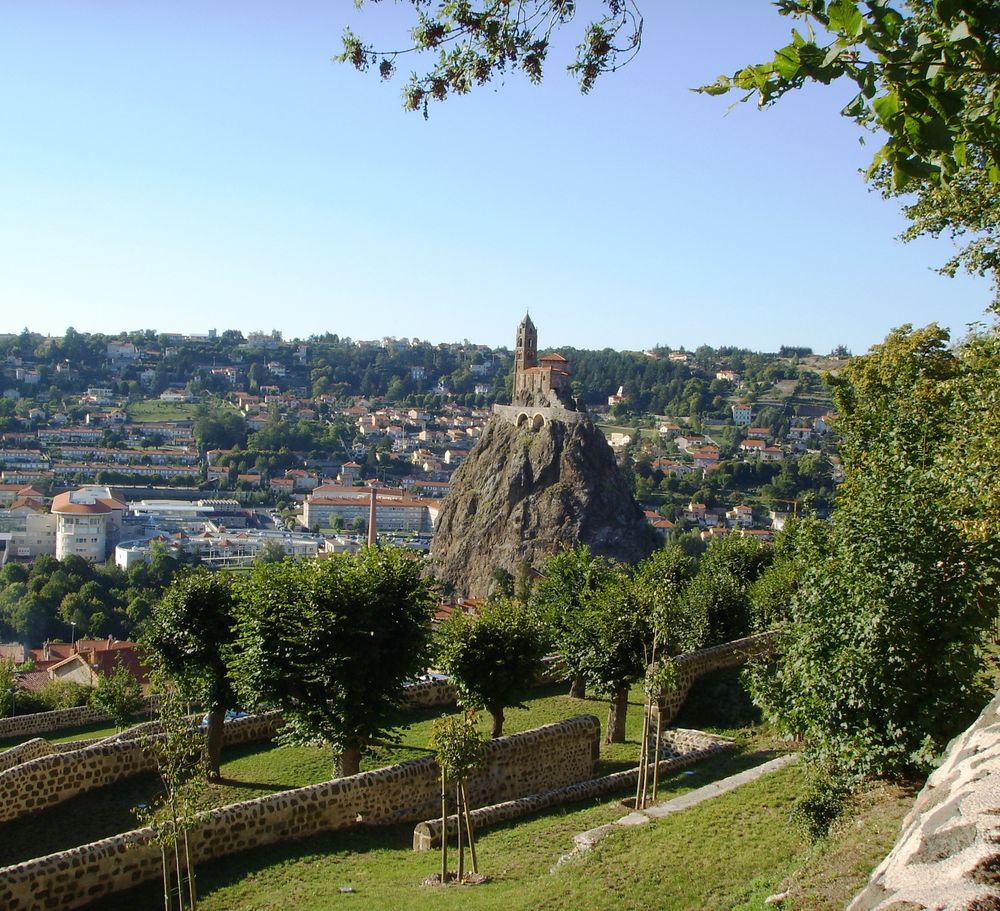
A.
x: 661, y: 581
x: 879, y: 663
x: 494, y: 658
x: 458, y: 749
x: 721, y: 587
x: 926, y: 73
x: 617, y: 634
x: 559, y: 599
x: 8, y: 687
x: 118, y: 695
x: 179, y: 762
x: 188, y: 637
x: 331, y: 643
x: 771, y: 594
x: 271, y: 552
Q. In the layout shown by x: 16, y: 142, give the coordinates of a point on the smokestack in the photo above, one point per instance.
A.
x: 371, y: 518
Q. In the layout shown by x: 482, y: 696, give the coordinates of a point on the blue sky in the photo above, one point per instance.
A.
x: 180, y: 166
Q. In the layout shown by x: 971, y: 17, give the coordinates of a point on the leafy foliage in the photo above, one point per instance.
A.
x: 42, y: 601
x: 661, y: 580
x: 189, y: 635
x: 8, y: 687
x: 457, y: 745
x: 720, y: 592
x: 880, y: 659
x: 965, y: 208
x: 927, y: 73
x: 118, y: 695
x: 331, y: 642
x: 494, y: 658
x: 615, y: 636
x: 561, y: 596
x: 476, y: 40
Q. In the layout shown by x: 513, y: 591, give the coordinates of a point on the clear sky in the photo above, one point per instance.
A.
x: 182, y: 165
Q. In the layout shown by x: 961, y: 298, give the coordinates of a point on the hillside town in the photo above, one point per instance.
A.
x: 219, y: 448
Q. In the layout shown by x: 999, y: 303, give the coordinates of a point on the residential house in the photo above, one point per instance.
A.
x: 742, y: 414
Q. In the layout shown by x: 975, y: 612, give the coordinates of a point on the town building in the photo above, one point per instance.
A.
x: 88, y: 522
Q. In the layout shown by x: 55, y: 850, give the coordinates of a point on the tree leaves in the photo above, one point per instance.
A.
x: 478, y: 41
x: 882, y: 653
x: 927, y: 75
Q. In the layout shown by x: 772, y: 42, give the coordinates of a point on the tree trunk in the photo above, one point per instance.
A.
x: 350, y: 760
x: 497, y: 713
x: 213, y: 740
x: 578, y: 688
x: 616, y: 717
x: 444, y: 829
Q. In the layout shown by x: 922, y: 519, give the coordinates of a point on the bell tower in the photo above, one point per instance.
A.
x: 525, y: 352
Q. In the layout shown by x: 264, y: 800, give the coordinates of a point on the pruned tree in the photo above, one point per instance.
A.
x: 189, y: 635
x: 493, y: 658
x: 660, y: 583
x: 180, y: 760
x: 559, y: 598
x: 331, y: 643
x: 615, y: 631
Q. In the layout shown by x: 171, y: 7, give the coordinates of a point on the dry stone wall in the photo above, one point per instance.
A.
x: 692, y: 665
x: 50, y: 778
x: 427, y: 834
x: 430, y: 693
x: 550, y: 757
x: 25, y: 752
x: 44, y: 722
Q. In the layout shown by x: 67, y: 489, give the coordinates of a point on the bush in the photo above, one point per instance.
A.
x: 820, y: 807
x: 62, y: 694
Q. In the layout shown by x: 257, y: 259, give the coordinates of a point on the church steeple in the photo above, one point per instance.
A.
x: 526, y: 352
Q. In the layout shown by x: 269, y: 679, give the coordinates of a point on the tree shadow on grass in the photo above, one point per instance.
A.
x: 226, y: 871
x: 77, y: 821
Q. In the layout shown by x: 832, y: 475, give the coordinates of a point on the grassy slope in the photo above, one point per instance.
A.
x: 729, y: 853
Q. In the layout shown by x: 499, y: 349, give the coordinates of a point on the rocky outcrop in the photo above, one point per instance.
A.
x: 527, y: 491
x: 948, y: 855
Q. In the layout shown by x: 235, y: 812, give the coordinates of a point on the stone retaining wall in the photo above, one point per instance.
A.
x: 53, y: 777
x: 692, y: 665
x: 681, y: 741
x: 44, y: 722
x: 427, y: 834
x: 430, y: 693
x: 550, y: 757
x: 25, y: 752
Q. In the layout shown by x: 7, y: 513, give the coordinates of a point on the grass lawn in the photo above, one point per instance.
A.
x: 728, y: 853
x: 155, y: 410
